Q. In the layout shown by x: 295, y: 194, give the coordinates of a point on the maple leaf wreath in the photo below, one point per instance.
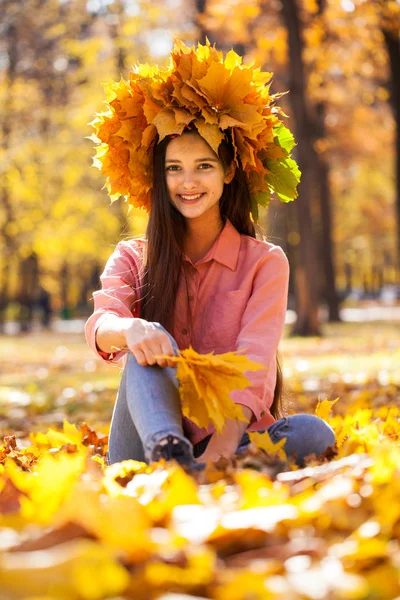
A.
x: 220, y: 98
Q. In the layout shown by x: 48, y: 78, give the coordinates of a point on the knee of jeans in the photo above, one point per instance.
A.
x: 277, y: 430
x: 173, y: 342
x: 314, y: 426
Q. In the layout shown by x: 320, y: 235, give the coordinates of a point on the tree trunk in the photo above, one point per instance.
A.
x: 5, y: 200
x: 29, y: 290
x: 330, y: 292
x: 201, y: 6
x: 393, y: 48
x: 306, y: 267
x: 64, y: 291
x: 325, y: 197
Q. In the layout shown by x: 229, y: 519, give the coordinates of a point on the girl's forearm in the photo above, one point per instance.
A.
x: 111, y: 333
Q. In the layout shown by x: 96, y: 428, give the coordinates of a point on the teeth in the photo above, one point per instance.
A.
x: 191, y: 197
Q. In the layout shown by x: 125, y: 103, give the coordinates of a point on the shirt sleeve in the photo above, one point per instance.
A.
x: 261, y: 330
x: 118, y: 295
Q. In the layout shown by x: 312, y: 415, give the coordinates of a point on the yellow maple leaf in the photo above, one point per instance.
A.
x: 324, y: 408
x: 78, y: 568
x: 198, y: 570
x: 263, y: 441
x: 57, y: 439
x: 46, y: 488
x: 107, y: 519
x: 205, y: 382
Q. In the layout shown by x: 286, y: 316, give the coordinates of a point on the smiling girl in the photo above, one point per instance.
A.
x: 200, y: 277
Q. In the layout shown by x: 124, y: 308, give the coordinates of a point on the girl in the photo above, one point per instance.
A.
x: 199, y: 278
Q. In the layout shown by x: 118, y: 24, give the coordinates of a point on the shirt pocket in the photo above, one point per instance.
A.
x: 222, y: 321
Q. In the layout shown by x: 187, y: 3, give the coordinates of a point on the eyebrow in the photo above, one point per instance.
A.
x: 175, y: 160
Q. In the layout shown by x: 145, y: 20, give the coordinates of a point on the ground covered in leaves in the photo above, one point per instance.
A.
x: 252, y: 528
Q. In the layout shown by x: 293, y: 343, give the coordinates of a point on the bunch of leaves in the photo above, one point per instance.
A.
x: 205, y: 382
x: 202, y: 90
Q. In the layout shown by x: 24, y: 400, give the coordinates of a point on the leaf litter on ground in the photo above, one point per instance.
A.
x: 254, y: 526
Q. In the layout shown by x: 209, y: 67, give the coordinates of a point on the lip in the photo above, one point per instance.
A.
x: 191, y: 201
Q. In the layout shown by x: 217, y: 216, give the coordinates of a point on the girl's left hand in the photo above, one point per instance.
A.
x: 215, y: 452
x: 225, y: 444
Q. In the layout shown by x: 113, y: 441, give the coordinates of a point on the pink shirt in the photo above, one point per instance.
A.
x: 238, y: 295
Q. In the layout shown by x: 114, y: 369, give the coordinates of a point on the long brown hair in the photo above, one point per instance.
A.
x: 166, y: 231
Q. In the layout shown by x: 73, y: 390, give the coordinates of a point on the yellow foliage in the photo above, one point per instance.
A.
x: 121, y: 523
x: 48, y: 486
x: 258, y: 490
x: 72, y: 527
x: 199, y: 570
x: 80, y: 568
x: 264, y: 442
x: 205, y: 382
x: 57, y: 439
x: 324, y: 408
x: 154, y: 528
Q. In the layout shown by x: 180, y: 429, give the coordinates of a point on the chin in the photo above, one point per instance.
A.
x: 191, y: 212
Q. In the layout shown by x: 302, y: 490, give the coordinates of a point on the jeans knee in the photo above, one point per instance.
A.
x: 305, y: 434
x: 313, y: 426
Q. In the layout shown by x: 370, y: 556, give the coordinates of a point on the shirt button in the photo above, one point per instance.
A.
x: 190, y: 298
x: 184, y: 331
x: 262, y: 413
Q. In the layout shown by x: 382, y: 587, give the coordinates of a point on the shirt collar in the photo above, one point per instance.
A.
x: 225, y: 249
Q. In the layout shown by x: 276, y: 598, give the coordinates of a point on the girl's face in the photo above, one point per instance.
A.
x: 195, y: 176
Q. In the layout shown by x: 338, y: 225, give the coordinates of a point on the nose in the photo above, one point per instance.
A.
x: 190, y: 181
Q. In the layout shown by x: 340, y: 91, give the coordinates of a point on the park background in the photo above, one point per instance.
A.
x: 339, y: 62
x: 72, y: 527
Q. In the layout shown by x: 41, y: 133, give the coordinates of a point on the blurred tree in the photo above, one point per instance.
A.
x: 306, y: 266
x: 390, y: 24
x: 7, y: 213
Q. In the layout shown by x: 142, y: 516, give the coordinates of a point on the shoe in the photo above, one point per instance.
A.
x: 175, y: 449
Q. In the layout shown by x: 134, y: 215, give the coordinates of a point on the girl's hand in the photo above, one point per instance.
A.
x: 146, y: 341
x: 225, y: 444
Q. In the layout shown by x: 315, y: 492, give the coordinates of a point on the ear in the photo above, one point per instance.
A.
x: 230, y: 173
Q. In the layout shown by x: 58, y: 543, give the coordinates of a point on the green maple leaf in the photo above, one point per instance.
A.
x: 283, y: 178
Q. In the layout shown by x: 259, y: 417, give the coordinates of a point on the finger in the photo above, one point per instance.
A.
x: 168, y: 350
x: 154, y: 352
x: 149, y: 354
x: 162, y: 362
x: 140, y: 356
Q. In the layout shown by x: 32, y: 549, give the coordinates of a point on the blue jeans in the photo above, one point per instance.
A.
x: 148, y: 408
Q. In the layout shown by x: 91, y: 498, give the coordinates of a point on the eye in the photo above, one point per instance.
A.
x: 172, y: 168
x: 206, y: 165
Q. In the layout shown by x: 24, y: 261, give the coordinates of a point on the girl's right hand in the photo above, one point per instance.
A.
x: 146, y: 341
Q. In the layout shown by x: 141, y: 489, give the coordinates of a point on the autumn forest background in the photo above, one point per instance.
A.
x: 337, y: 64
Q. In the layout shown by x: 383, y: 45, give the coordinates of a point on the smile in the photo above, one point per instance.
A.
x: 190, y: 197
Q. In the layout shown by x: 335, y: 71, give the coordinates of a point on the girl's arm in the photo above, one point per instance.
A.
x: 141, y: 337
x: 110, y: 334
x: 115, y: 303
x: 115, y: 327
